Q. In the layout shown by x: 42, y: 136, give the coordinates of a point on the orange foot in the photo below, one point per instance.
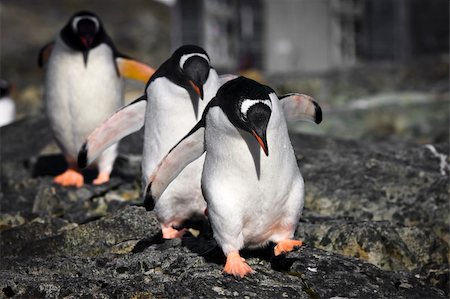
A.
x: 236, y: 265
x: 103, y: 177
x: 70, y: 177
x: 286, y: 246
x: 168, y: 232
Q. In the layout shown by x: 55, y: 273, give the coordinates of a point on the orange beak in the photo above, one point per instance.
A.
x: 262, y: 142
x: 197, y: 89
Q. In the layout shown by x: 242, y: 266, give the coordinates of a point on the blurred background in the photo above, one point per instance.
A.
x: 378, y: 68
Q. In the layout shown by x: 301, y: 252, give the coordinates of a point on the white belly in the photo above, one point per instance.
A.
x: 7, y: 111
x: 78, y: 97
x: 252, y: 198
x: 169, y: 117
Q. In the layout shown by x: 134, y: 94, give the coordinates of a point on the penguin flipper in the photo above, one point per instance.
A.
x: 133, y: 69
x: 191, y: 147
x: 44, y: 54
x: 125, y: 121
x: 297, y: 106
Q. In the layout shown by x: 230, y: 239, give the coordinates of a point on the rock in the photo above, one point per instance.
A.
x: 8, y: 221
x: 110, y: 233
x: 388, y: 246
x: 383, y: 205
x: 24, y: 139
x: 175, y: 271
x: 394, y: 182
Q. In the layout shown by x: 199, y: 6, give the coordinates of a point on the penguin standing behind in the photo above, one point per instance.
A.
x: 176, y: 96
x: 83, y: 87
x: 253, y: 196
x: 7, y: 105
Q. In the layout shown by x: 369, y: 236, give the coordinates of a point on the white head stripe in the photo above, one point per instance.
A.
x: 187, y: 56
x: 247, y: 103
x: 77, y: 19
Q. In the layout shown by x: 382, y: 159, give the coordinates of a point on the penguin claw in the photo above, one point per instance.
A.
x: 172, y: 233
x: 103, y: 177
x: 70, y: 177
x: 236, y: 266
x: 287, y: 246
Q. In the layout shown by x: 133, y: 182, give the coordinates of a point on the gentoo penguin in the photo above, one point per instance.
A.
x: 176, y: 96
x: 250, y: 180
x: 83, y: 87
x: 7, y: 105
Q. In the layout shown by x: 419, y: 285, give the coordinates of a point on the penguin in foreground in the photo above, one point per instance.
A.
x: 83, y: 87
x: 7, y: 105
x: 250, y: 180
x: 175, y: 98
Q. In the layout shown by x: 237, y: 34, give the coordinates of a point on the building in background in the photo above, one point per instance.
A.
x: 296, y: 36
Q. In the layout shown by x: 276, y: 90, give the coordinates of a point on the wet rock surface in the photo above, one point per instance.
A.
x: 375, y: 225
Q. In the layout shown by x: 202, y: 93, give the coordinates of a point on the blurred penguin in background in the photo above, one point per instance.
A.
x: 7, y: 105
x: 83, y: 87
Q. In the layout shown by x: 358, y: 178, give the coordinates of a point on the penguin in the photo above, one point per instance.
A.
x: 250, y: 180
x: 83, y: 87
x: 7, y: 105
x: 174, y: 100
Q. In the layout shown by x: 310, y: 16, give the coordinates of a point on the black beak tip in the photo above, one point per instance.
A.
x: 85, y: 57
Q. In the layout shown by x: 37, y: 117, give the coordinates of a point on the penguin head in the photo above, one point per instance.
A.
x: 248, y: 106
x: 192, y: 66
x: 83, y: 31
x: 5, y: 88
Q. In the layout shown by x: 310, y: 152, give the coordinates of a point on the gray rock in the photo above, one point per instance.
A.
x: 399, y: 183
x: 390, y: 247
x: 378, y: 203
x: 175, y: 271
x: 116, y: 233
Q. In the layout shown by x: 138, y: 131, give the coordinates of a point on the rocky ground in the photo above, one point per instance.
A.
x: 375, y: 225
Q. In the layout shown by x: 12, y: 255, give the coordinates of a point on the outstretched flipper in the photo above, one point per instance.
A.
x: 44, y: 54
x: 298, y: 106
x: 127, y: 120
x: 191, y: 147
x: 133, y: 69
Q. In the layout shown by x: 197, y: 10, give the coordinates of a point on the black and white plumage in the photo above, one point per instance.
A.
x: 176, y: 96
x: 250, y: 180
x: 83, y: 87
x: 7, y: 105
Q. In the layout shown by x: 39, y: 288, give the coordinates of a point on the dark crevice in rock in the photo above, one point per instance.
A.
x: 8, y: 291
x: 145, y: 243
